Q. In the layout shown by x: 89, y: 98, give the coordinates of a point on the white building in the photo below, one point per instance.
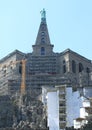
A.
x: 85, y: 113
x: 79, y: 122
x: 63, y: 106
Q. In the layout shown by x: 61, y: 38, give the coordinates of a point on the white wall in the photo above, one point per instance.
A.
x: 83, y: 113
x: 73, y: 104
x: 85, y: 103
x: 53, y: 110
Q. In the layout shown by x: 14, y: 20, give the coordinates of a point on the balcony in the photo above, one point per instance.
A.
x: 62, y: 124
x: 63, y: 114
x: 62, y: 99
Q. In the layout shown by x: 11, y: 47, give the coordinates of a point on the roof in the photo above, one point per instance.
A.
x: 80, y: 119
x: 11, y: 54
x: 87, y: 107
x: 76, y: 54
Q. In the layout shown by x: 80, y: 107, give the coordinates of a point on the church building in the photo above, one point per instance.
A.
x: 43, y: 66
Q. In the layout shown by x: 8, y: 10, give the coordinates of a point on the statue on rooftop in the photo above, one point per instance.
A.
x: 43, y: 15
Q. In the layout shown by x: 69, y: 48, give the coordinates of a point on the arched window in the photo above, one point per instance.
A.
x: 64, y: 66
x: 63, y: 61
x: 43, y: 34
x: 73, y: 66
x: 87, y: 70
x: 20, y: 68
x: 42, y: 51
x: 42, y: 40
x: 80, y: 67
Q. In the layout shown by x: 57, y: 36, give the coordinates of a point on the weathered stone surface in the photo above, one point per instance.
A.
x: 22, y: 112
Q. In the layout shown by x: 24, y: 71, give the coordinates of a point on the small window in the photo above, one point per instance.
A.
x: 63, y: 61
x: 43, y: 34
x: 64, y: 68
x: 73, y: 66
x: 80, y: 67
x: 43, y: 40
x: 87, y: 70
x: 42, y: 51
x: 20, y: 68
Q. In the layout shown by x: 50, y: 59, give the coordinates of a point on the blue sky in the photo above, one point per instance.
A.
x: 69, y: 24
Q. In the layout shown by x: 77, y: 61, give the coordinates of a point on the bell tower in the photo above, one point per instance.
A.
x: 42, y: 45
